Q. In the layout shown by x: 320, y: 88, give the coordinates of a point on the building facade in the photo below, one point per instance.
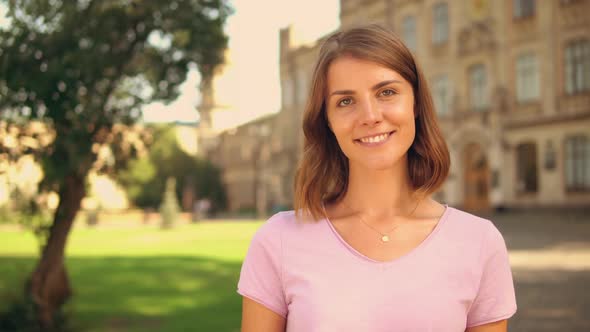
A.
x: 258, y: 165
x: 511, y: 84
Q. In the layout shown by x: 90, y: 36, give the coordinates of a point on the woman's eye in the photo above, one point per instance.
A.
x: 387, y: 93
x: 345, y: 102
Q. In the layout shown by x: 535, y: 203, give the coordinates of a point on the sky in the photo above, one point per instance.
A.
x: 250, y: 85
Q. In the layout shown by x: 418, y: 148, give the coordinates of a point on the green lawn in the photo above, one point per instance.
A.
x: 144, y: 279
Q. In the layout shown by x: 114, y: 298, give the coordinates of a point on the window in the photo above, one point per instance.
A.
x: 527, y: 168
x: 527, y: 78
x: 577, y: 163
x: 409, y: 32
x: 440, y: 28
x: 441, y: 94
x: 577, y: 67
x: 478, y: 87
x: 524, y: 8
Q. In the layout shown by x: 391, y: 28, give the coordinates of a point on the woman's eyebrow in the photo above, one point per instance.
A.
x: 384, y: 83
x: 375, y: 87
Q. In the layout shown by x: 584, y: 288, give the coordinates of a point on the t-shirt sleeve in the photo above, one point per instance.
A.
x: 261, y: 273
x: 495, y: 298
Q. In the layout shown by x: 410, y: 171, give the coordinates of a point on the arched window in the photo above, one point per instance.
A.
x: 524, y: 8
x: 440, y: 26
x: 409, y: 33
x: 527, y: 78
x: 441, y: 92
x: 577, y: 67
x: 478, y: 94
x: 577, y: 163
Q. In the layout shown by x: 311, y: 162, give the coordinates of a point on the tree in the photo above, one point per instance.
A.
x: 145, y: 178
x: 169, y: 207
x: 83, y: 67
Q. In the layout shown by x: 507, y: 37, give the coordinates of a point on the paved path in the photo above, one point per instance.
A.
x: 550, y: 257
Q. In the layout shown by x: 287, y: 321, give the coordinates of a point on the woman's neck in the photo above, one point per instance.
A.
x: 380, y: 193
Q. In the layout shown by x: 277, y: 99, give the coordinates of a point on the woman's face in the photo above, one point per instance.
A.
x: 370, y: 109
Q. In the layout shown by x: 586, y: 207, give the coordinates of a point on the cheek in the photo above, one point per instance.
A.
x: 409, y: 129
x: 340, y: 127
x: 343, y: 138
x: 402, y: 117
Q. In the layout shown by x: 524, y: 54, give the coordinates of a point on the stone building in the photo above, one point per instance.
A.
x: 511, y: 84
x: 259, y: 161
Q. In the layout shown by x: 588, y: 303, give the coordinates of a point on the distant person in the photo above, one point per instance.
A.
x: 368, y: 248
x: 201, y: 209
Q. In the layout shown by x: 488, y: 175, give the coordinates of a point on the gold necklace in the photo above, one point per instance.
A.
x: 384, y: 236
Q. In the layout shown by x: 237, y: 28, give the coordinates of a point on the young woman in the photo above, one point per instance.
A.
x: 368, y: 249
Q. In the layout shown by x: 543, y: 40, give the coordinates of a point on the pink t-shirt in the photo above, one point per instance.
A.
x: 458, y: 277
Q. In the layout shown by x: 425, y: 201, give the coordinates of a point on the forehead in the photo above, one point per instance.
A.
x: 348, y: 72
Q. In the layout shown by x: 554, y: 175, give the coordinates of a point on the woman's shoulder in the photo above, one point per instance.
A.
x: 278, y: 221
x: 470, y: 224
x: 475, y: 232
x: 286, y: 221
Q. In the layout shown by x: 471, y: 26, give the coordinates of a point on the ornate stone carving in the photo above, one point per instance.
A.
x: 478, y: 37
x: 574, y: 14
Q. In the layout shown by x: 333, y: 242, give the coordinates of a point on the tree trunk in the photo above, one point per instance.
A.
x: 49, y: 286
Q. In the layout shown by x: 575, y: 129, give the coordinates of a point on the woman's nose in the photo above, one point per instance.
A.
x: 371, y: 114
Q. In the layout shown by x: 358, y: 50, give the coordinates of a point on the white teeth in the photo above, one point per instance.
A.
x: 374, y: 139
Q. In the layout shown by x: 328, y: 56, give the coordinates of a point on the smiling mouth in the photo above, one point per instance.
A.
x: 374, y: 139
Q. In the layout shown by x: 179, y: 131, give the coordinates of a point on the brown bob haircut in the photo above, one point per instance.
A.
x: 322, y: 176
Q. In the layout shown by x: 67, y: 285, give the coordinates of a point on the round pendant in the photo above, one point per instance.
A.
x: 385, y: 238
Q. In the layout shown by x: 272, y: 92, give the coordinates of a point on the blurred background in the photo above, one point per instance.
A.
x: 142, y: 143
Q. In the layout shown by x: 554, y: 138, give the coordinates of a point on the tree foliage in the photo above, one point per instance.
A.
x: 85, y: 65
x: 145, y: 178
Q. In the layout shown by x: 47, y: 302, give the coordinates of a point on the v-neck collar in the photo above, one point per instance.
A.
x: 418, y: 248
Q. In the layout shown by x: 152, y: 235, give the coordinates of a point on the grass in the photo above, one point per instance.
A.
x: 143, y: 278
